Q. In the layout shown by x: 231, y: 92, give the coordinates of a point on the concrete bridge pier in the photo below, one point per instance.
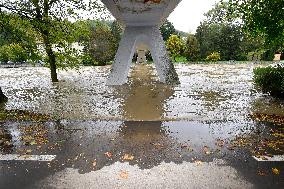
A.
x: 147, y: 36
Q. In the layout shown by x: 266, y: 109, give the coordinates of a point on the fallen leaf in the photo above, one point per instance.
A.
x: 198, y: 162
x: 275, y: 171
x: 28, y: 151
x: 220, y: 143
x: 94, y: 163
x: 184, y: 146
x: 206, y: 150
x: 124, y: 174
x: 128, y: 157
x: 261, y: 173
x: 108, y: 154
x: 33, y: 143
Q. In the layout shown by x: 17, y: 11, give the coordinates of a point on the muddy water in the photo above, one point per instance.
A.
x: 206, y: 92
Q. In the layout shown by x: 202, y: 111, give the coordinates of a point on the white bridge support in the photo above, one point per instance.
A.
x: 151, y: 37
x: 142, y: 20
x: 141, y: 56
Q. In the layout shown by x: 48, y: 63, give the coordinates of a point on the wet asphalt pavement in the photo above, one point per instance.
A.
x: 141, y: 135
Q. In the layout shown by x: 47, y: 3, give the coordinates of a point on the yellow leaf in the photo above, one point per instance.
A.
x: 94, y: 163
x: 275, y: 171
x: 198, y: 162
x: 28, y: 151
x: 33, y: 143
x: 108, y: 154
x: 124, y: 174
x: 128, y: 157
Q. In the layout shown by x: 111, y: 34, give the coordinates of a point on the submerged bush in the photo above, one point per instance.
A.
x: 88, y: 60
x: 214, y: 57
x: 270, y: 80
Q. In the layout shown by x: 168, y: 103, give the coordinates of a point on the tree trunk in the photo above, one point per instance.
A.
x: 3, y: 98
x: 51, y: 57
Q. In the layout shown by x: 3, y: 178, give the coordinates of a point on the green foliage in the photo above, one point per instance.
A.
x: 14, y: 53
x: 88, y: 60
x: 17, y: 34
x: 101, y: 40
x: 213, y: 57
x: 222, y: 13
x: 222, y: 32
x: 167, y: 29
x: 175, y: 46
x: 262, y: 17
x: 224, y: 38
x: 255, y: 55
x: 192, y: 48
x: 181, y: 59
x: 270, y: 80
x: 103, y: 44
x: 116, y: 30
x: 5, y: 53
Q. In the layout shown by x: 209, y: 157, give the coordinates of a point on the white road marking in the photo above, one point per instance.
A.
x: 266, y: 158
x: 17, y: 157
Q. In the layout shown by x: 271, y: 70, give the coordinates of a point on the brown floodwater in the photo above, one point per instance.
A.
x: 207, y: 92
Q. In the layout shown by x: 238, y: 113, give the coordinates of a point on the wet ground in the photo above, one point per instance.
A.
x: 202, y: 133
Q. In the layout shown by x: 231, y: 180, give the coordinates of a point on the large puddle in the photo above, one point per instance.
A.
x: 206, y: 92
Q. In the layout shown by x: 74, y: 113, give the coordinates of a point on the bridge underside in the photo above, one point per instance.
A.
x: 149, y: 36
x: 142, y: 20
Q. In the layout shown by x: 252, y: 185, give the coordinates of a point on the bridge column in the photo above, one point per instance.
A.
x: 141, y: 58
x: 151, y: 37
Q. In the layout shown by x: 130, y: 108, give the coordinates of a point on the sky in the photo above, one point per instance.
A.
x: 189, y: 13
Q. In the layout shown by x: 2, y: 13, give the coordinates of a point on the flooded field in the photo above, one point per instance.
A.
x: 143, y: 122
x: 206, y: 92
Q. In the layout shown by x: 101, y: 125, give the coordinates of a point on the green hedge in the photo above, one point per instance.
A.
x: 270, y: 80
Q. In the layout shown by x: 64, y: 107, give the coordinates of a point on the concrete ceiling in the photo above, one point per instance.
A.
x: 141, y: 12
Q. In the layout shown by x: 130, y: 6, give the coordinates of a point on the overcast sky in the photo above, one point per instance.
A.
x: 188, y: 14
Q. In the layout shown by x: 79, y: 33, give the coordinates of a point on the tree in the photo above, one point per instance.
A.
x: 116, y: 31
x: 223, y: 32
x: 167, y: 29
x: 192, y: 48
x: 103, y: 44
x: 49, y: 19
x: 17, y: 39
x: 175, y: 46
x: 262, y: 17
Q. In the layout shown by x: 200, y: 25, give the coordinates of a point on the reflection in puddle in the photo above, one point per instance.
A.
x: 144, y: 98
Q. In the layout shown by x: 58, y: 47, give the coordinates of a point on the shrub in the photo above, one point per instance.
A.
x: 192, y: 48
x: 88, y: 60
x: 175, y: 46
x: 270, y: 80
x: 214, y: 57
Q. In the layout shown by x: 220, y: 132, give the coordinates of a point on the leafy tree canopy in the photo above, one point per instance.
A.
x: 167, y: 29
x: 262, y: 17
